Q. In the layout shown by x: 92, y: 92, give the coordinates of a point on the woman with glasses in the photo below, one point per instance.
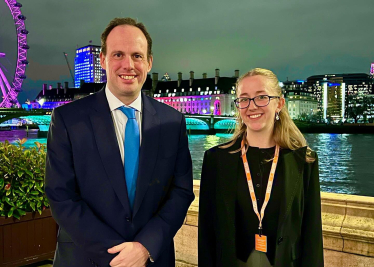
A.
x: 260, y: 200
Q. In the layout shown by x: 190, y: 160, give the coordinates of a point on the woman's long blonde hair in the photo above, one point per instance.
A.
x: 285, y: 133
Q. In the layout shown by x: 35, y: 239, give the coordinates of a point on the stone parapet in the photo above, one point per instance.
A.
x: 347, y: 222
x: 348, y: 229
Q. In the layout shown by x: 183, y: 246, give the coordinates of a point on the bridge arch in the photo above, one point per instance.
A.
x: 227, y: 124
x: 196, y: 124
x: 42, y: 121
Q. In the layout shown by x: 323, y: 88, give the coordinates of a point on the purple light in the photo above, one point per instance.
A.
x: 10, y: 98
x: 193, y: 104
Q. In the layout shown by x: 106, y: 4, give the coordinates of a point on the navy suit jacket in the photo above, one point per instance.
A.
x: 86, y: 188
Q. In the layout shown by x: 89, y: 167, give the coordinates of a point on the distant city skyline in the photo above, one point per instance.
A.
x: 294, y: 39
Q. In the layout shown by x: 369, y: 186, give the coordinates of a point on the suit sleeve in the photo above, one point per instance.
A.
x: 161, y: 229
x: 206, y: 237
x: 69, y: 210
x: 312, y: 246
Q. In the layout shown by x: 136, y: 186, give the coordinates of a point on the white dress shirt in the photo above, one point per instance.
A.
x: 120, y: 119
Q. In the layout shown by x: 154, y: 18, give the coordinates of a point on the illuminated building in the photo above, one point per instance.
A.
x: 87, y: 65
x: 369, y: 113
x: 332, y: 90
x: 50, y: 98
x: 372, y: 69
x: 198, y: 96
x: 298, y: 99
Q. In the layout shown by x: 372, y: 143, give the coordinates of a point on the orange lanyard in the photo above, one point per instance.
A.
x: 269, y: 186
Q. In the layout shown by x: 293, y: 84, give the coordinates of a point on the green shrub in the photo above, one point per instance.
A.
x: 22, y: 179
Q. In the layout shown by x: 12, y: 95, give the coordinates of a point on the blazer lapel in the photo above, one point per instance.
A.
x: 293, y: 174
x: 148, y: 150
x: 107, y: 145
x: 232, y: 168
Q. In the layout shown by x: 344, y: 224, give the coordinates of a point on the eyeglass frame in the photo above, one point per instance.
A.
x: 254, y: 102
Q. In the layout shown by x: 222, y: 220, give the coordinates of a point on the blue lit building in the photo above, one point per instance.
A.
x: 87, y: 65
x: 332, y: 92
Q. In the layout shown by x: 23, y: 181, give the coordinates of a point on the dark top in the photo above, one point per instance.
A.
x: 260, y: 162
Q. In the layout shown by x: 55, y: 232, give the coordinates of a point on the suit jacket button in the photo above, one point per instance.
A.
x: 280, y: 240
x: 128, y: 219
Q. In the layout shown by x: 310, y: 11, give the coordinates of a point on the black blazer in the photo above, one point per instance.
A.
x: 86, y: 187
x: 299, y: 233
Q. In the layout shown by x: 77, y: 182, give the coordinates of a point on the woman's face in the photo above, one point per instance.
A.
x: 258, y: 119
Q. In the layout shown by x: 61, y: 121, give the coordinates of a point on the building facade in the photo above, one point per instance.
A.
x: 87, y: 65
x: 369, y: 113
x: 299, y: 100
x: 332, y: 90
x: 208, y: 96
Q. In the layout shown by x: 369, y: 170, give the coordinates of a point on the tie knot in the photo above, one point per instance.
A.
x: 129, y: 112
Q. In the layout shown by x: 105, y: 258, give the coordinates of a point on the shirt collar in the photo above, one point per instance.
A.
x: 115, y: 103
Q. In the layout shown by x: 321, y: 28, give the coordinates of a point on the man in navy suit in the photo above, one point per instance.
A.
x: 105, y: 218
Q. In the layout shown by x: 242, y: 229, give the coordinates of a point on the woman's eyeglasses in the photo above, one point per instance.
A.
x: 260, y: 101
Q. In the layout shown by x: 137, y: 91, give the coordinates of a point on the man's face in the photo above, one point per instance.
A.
x: 126, y: 62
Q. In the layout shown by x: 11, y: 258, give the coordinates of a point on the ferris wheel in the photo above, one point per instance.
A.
x: 9, y: 92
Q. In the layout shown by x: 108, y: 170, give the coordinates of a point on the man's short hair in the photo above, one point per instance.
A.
x: 125, y: 21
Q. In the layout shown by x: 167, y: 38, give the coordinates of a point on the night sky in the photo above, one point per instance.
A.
x: 295, y: 39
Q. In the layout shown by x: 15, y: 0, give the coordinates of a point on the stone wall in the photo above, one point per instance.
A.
x: 348, y: 231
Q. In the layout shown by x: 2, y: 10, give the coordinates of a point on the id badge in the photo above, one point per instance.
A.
x: 261, y: 243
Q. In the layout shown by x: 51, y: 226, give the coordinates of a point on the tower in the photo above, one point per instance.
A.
x: 87, y: 65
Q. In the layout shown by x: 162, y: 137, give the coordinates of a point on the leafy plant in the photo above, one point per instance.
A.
x: 22, y: 179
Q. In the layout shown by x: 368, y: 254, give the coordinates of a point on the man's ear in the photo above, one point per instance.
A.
x: 102, y: 60
x: 150, y: 62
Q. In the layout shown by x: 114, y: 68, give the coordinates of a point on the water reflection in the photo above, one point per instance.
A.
x: 345, y: 160
x: 335, y: 162
x: 199, y: 144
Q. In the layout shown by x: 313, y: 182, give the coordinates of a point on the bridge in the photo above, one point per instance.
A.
x: 209, y: 123
x: 195, y: 123
x: 40, y: 117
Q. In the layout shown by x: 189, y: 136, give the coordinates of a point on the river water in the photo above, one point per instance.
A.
x: 346, y: 161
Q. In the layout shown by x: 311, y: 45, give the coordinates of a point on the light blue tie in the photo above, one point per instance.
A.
x: 131, y: 146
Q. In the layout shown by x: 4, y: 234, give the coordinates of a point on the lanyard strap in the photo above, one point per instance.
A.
x: 250, y: 183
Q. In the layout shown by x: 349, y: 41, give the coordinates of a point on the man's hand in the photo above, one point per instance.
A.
x: 131, y: 254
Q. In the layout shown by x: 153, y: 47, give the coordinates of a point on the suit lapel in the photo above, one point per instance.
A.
x: 148, y: 150
x: 293, y: 166
x: 106, y: 141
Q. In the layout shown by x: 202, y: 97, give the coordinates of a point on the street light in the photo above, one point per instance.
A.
x: 41, y: 102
